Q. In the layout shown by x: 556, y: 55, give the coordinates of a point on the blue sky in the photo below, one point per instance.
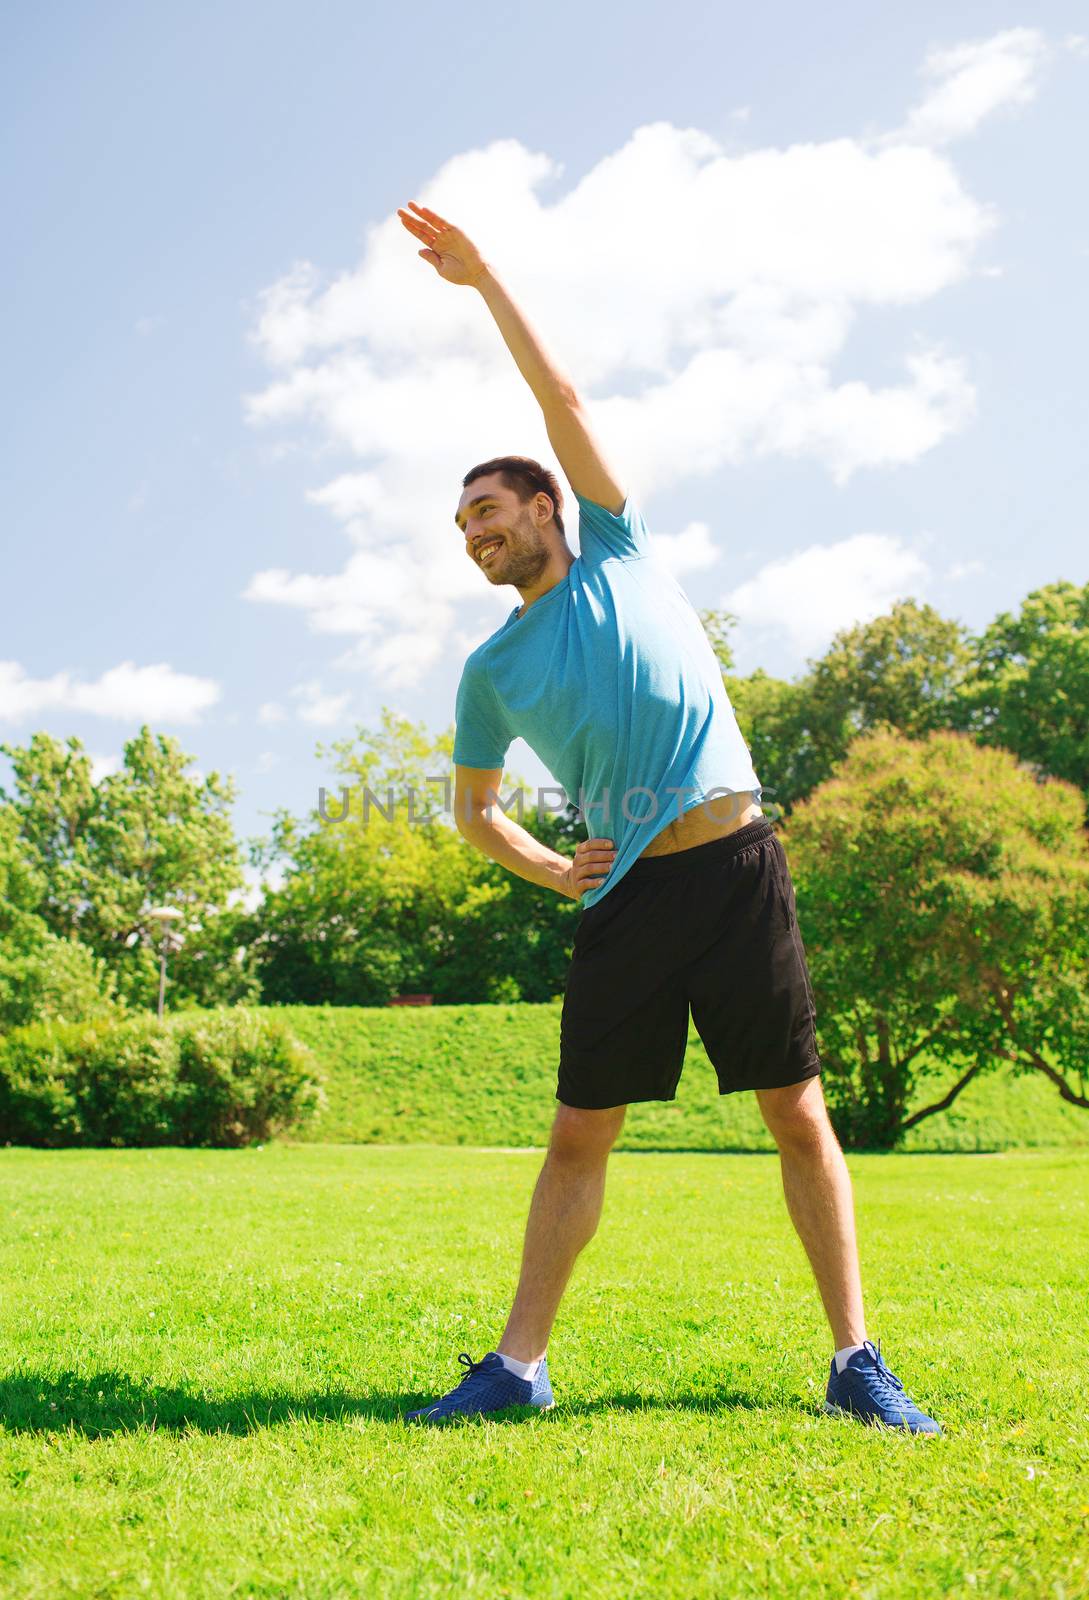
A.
x: 820, y: 275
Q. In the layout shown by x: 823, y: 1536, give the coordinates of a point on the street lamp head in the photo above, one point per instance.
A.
x: 162, y: 914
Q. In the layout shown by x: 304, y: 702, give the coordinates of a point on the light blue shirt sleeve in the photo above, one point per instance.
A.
x: 482, y: 737
x: 604, y: 533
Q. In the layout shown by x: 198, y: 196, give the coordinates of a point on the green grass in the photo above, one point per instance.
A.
x: 486, y: 1075
x: 205, y: 1356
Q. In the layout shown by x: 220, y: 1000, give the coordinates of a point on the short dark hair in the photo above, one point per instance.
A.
x: 526, y: 477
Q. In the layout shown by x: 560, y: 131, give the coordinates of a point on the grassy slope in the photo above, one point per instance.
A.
x: 486, y: 1075
x: 204, y: 1356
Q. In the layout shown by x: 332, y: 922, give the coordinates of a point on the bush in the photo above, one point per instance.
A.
x: 226, y: 1077
x: 47, y: 978
x: 241, y: 1076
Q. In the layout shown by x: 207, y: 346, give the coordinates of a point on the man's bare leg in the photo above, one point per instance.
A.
x: 563, y: 1218
x: 819, y: 1197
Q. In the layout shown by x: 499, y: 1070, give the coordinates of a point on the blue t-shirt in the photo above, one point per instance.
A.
x: 610, y: 678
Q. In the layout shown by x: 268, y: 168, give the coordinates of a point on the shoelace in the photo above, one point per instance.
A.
x: 472, y: 1367
x: 887, y: 1383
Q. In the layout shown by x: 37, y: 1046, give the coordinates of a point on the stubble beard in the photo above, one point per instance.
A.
x: 523, y: 559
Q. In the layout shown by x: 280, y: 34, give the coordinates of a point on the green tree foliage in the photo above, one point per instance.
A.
x: 905, y: 669
x: 1030, y: 691
x: 773, y: 717
x: 100, y: 855
x: 41, y: 974
x: 385, y: 902
x: 943, y: 890
x: 718, y: 625
x: 44, y: 977
x: 22, y: 885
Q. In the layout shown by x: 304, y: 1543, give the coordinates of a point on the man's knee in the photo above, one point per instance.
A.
x: 579, y: 1135
x: 797, y: 1116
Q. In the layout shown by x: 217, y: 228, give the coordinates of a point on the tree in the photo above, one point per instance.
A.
x: 773, y: 717
x: 41, y: 974
x: 387, y: 900
x: 22, y: 885
x: 47, y: 978
x: 944, y: 893
x: 718, y: 625
x: 104, y: 853
x: 904, y: 669
x: 1030, y: 689
x: 768, y: 712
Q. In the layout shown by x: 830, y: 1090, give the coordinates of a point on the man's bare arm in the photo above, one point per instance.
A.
x: 483, y: 822
x: 456, y: 258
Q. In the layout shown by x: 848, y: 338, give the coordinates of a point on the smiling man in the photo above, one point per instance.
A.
x: 686, y: 897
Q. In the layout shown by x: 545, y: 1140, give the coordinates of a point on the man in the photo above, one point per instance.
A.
x: 686, y: 895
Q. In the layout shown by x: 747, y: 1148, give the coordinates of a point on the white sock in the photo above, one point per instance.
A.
x: 522, y: 1369
x: 844, y: 1355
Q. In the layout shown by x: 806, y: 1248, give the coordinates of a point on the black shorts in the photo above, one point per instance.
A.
x: 713, y: 927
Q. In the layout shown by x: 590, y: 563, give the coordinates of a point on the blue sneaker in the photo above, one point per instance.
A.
x: 488, y: 1386
x: 868, y: 1390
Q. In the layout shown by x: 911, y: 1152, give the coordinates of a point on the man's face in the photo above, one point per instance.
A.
x: 502, y: 536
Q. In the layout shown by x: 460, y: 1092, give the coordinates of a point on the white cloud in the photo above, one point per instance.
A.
x: 382, y: 600
x: 403, y: 657
x: 962, y: 569
x: 726, y: 410
x: 719, y: 337
x: 126, y: 692
x: 271, y: 712
x: 353, y: 494
x: 971, y: 81
x: 1077, y: 44
x: 813, y: 593
x: 691, y: 550
x: 266, y: 760
x: 318, y: 707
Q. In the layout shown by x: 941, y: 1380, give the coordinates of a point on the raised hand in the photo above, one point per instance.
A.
x: 451, y: 252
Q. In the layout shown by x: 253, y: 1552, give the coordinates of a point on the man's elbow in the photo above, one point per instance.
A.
x: 469, y: 818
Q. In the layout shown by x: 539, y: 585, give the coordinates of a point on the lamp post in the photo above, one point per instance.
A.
x: 164, y: 916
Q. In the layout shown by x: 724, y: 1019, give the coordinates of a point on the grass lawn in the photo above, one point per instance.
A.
x: 205, y: 1356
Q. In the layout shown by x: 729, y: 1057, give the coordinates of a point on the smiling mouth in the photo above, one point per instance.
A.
x: 486, y: 552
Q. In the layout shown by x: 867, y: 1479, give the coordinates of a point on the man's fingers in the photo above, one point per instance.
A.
x: 436, y: 226
x: 432, y: 216
x: 421, y: 231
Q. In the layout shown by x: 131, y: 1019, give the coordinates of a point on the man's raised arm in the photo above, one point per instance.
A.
x: 457, y: 260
